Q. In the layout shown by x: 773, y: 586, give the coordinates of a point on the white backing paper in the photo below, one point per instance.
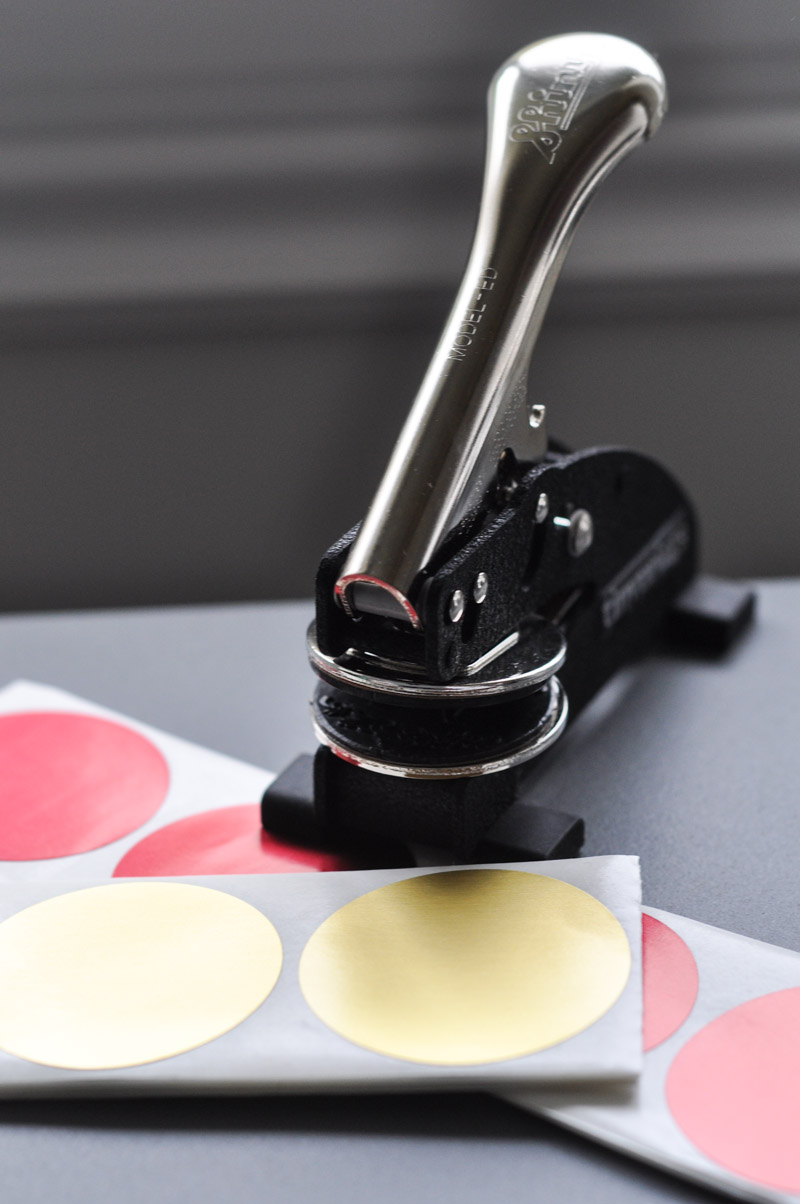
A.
x: 284, y: 1046
x: 635, y: 1118
x: 200, y: 780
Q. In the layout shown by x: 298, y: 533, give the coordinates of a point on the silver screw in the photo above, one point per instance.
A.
x: 481, y: 588
x: 536, y: 416
x: 456, y: 607
x: 542, y: 508
x: 581, y: 532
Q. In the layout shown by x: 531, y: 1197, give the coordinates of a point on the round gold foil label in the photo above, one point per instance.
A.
x: 466, y: 966
x: 119, y: 975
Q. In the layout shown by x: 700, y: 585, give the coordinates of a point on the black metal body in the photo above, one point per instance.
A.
x: 612, y: 601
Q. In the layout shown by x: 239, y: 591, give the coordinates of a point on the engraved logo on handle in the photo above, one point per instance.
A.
x: 547, y: 116
x: 474, y: 314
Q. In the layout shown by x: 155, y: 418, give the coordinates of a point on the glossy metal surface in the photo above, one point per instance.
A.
x: 547, y: 732
x: 518, y: 666
x: 562, y: 112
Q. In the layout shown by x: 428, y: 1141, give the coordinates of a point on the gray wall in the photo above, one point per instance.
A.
x: 230, y: 233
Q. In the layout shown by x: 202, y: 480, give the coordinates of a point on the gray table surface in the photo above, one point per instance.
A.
x: 693, y: 765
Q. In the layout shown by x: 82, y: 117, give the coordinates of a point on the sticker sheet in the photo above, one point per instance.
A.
x: 719, y: 1096
x: 165, y: 980
x: 87, y: 794
x: 413, y: 979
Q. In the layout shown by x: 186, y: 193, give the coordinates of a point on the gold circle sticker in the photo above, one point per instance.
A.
x: 466, y: 966
x: 120, y: 975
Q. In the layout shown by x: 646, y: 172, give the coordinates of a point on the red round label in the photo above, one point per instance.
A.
x: 734, y: 1089
x: 228, y: 840
x: 70, y: 783
x: 669, y: 981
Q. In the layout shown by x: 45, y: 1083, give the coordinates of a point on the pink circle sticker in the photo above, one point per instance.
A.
x: 228, y: 840
x: 669, y: 981
x: 734, y: 1089
x: 70, y: 783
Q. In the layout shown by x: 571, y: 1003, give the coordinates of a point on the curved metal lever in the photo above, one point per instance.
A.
x: 562, y: 113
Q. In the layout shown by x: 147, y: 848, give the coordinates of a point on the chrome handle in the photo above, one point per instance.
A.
x: 562, y: 113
